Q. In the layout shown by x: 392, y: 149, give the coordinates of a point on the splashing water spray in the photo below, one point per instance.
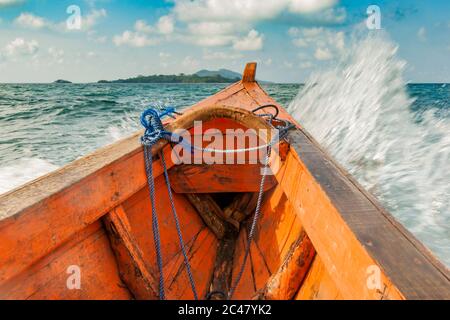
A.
x: 361, y: 113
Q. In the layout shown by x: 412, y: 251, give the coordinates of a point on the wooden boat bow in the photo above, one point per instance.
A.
x: 320, y: 236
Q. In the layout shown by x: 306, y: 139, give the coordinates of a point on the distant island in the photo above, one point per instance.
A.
x: 203, y: 76
x: 62, y: 81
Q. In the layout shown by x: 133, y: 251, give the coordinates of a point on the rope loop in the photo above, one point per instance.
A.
x: 151, y: 120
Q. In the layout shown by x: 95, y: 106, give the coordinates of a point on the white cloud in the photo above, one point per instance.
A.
x: 268, y: 62
x: 422, y: 34
x: 133, y: 39
x: 222, y: 23
x: 166, y: 25
x: 306, y: 65
x: 20, y: 47
x: 164, y: 55
x: 330, y: 16
x: 93, y: 36
x: 211, y: 34
x: 323, y: 54
x: 249, y: 10
x: 252, y: 42
x: 28, y: 20
x: 31, y: 21
x: 209, y: 28
x: 310, y: 6
x: 230, y: 10
x: 214, y: 23
x: 140, y: 36
x: 92, y: 18
x: 56, y: 54
x: 299, y: 42
x: 338, y: 41
x: 220, y: 55
x: 190, y: 63
x: 326, y: 43
x: 288, y: 64
x: 142, y: 26
x: 212, y: 41
x: 8, y: 3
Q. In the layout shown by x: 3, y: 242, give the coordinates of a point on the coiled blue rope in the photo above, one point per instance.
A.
x: 154, y: 131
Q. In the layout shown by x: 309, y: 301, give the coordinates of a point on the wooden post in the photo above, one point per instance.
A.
x: 286, y: 281
x: 223, y: 268
x: 134, y: 271
x: 249, y: 73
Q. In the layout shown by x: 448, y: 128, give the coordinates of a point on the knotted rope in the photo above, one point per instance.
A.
x: 154, y: 131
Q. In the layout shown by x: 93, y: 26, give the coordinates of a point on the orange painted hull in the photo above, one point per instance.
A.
x: 84, y: 232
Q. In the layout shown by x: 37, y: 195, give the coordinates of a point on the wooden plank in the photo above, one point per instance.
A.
x: 318, y: 284
x: 134, y: 271
x: 285, y: 283
x: 202, y: 255
x: 47, y: 278
x: 246, y: 288
x: 218, y: 178
x: 351, y: 234
x: 277, y: 229
x: 223, y: 269
x: 260, y: 270
x: 139, y: 213
x: 211, y: 214
x: 242, y: 206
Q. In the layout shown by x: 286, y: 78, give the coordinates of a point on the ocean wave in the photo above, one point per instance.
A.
x: 23, y: 171
x: 361, y: 113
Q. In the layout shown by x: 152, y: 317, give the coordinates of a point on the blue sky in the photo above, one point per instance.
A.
x: 289, y: 38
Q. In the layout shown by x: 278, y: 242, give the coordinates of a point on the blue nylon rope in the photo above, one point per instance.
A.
x: 155, y: 225
x: 154, y: 131
x: 177, y: 223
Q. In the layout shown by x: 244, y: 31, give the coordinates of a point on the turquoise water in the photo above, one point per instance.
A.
x: 60, y: 123
x: 44, y: 126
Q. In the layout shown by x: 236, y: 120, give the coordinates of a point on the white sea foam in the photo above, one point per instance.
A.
x: 127, y: 126
x: 23, y: 171
x: 360, y: 112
